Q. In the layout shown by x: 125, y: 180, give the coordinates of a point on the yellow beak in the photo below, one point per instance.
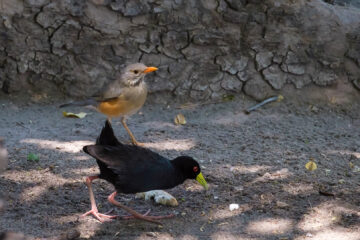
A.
x: 150, y: 69
x: 200, y: 178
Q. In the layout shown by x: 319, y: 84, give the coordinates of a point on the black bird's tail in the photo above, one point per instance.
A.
x: 86, y: 102
x: 107, y: 136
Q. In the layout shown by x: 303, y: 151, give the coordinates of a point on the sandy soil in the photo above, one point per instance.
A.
x: 256, y: 161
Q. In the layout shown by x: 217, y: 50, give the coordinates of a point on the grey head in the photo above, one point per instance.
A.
x: 134, y: 74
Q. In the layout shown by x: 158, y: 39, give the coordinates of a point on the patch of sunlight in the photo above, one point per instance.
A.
x: 32, y: 176
x: 81, y: 158
x: 248, y: 169
x: 334, y: 233
x: 277, y: 175
x: 344, y: 152
x: 188, y: 237
x: 32, y: 193
x: 88, y: 227
x: 322, y: 216
x: 274, y: 226
x: 221, y: 235
x: 298, y: 188
x: 191, y: 185
x: 178, y: 145
x: 158, y: 236
x: 85, y: 171
x: 226, y: 213
x: 160, y: 125
x: 230, y: 119
x: 69, y: 147
x: 72, y: 217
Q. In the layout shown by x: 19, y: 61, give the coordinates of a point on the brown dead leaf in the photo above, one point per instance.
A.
x: 180, y: 119
x: 311, y: 166
x: 351, y: 165
x: 74, y: 115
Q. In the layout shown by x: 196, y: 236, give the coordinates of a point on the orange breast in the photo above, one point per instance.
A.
x: 119, y: 107
x: 128, y: 103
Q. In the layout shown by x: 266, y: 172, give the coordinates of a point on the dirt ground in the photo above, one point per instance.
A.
x: 256, y: 161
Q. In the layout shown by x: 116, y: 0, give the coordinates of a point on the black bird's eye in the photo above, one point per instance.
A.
x: 195, y: 169
x: 136, y: 71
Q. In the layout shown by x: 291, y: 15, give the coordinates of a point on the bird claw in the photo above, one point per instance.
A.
x: 99, y: 216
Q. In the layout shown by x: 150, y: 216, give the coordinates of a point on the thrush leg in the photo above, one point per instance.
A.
x: 94, y: 211
x: 137, y: 215
x: 133, y: 140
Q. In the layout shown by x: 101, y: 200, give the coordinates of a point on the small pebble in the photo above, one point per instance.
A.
x: 309, y: 235
x: 233, y: 206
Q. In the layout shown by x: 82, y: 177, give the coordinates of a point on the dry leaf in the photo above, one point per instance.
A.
x: 74, y: 115
x: 351, y: 165
x: 180, y: 119
x: 311, y: 166
x: 280, y: 98
x: 202, y: 227
x: 333, y: 100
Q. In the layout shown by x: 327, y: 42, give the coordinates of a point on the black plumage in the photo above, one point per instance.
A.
x: 133, y: 169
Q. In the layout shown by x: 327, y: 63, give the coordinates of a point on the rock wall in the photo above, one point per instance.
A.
x: 204, y: 48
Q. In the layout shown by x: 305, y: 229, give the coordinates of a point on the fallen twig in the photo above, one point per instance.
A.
x: 272, y: 99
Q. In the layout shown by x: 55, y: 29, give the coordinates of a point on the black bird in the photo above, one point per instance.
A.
x: 133, y: 169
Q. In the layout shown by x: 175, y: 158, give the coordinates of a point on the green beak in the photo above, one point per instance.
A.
x: 200, y: 178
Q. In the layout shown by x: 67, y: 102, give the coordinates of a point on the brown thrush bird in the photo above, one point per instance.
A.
x: 122, y: 97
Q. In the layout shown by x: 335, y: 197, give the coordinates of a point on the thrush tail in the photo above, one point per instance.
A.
x: 87, y: 102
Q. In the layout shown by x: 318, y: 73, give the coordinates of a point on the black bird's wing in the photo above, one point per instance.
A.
x: 134, y: 169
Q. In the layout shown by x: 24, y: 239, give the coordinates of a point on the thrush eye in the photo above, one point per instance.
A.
x: 136, y: 71
x: 195, y: 169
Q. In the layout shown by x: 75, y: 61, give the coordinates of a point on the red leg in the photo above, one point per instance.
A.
x: 135, y: 214
x: 132, y: 216
x: 94, y: 211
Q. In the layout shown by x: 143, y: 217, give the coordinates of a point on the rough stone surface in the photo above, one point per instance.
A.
x: 293, y: 64
x: 299, y: 81
x: 263, y: 60
x: 356, y: 83
x: 257, y: 88
x: 232, y: 64
x: 203, y: 49
x: 325, y: 78
x: 275, y: 76
x: 231, y: 83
